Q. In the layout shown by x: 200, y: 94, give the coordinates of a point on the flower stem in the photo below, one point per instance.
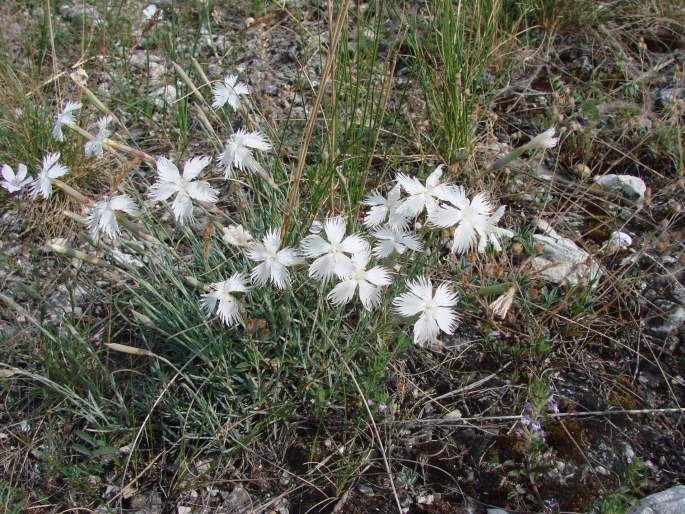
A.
x: 72, y: 192
x: 77, y: 254
x: 120, y: 147
x: 495, y: 289
x: 501, y: 163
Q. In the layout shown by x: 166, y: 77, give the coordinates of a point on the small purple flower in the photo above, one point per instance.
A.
x: 369, y: 402
x: 650, y: 464
x: 527, y: 407
x: 536, y: 427
x: 552, y: 404
x: 525, y: 421
x: 382, y: 408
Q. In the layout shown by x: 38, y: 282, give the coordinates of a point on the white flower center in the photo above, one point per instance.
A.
x: 468, y: 213
x: 429, y: 308
x: 182, y: 184
x: 271, y: 257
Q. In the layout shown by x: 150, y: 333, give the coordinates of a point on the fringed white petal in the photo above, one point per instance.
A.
x: 314, y: 246
x: 343, y: 292
x: 369, y: 294
x: 335, y: 229
x: 194, y: 166
x: 201, y: 191
x: 426, y: 330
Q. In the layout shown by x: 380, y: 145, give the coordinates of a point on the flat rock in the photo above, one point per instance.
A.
x: 73, y: 12
x: 618, y: 241
x: 629, y: 187
x: 562, y: 260
x: 239, y: 501
x: 670, y: 501
x: 164, y: 96
x: 671, y: 323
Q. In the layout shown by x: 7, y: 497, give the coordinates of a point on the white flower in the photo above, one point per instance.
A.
x: 170, y: 182
x: 150, y: 11
x: 12, y: 182
x: 423, y: 197
x: 66, y: 116
x: 94, y: 147
x: 435, y: 312
x: 51, y: 170
x: 543, y: 141
x: 238, y: 152
x: 394, y: 240
x: 274, y: 262
x: 230, y: 90
x: 236, y: 235
x: 227, y: 309
x: 493, y: 233
x: 369, y: 283
x: 471, y: 217
x: 385, y: 208
x: 102, y: 217
x: 330, y: 254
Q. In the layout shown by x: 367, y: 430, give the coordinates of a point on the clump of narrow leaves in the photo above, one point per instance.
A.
x: 332, y: 252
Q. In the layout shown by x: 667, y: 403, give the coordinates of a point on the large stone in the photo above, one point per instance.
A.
x: 75, y: 12
x: 239, y: 501
x: 671, y: 323
x: 562, y: 261
x: 629, y: 187
x: 670, y: 501
x: 618, y: 241
x: 164, y: 96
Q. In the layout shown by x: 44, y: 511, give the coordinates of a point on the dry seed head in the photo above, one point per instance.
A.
x: 500, y: 307
x: 582, y: 171
x: 558, y: 116
x: 490, y: 270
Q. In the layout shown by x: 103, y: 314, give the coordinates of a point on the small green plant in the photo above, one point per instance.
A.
x: 12, y: 498
x: 632, y: 482
x: 539, y: 401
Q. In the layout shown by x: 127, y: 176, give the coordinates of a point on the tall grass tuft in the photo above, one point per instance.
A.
x: 454, y: 46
